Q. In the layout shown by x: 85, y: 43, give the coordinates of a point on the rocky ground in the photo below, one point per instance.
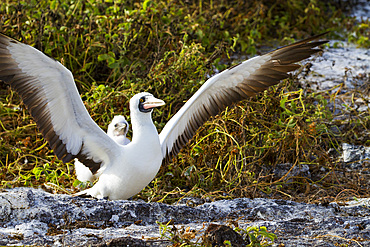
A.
x: 34, y: 217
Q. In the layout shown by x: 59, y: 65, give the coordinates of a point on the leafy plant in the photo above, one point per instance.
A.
x: 259, y: 236
x: 118, y: 48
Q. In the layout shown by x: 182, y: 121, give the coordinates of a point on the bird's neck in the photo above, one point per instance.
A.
x: 143, y: 128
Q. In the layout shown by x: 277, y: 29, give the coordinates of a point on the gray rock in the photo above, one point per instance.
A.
x: 356, y: 157
x: 289, y: 170
x: 35, y: 217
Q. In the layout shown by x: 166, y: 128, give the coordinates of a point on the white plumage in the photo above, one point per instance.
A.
x: 117, y: 130
x: 50, y: 93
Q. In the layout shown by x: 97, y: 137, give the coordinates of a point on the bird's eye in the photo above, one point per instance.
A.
x: 141, y: 100
x: 116, y: 125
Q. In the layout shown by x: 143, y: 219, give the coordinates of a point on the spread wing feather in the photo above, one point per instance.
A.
x: 51, y: 96
x: 230, y: 86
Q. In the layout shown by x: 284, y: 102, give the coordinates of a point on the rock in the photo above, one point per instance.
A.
x: 35, y: 217
x: 288, y: 170
x: 124, y: 241
x: 217, y: 235
x: 336, y: 67
x: 355, y: 157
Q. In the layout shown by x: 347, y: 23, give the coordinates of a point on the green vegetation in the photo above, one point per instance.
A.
x: 257, y: 236
x: 118, y: 48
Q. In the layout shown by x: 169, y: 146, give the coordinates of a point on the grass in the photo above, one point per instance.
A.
x: 169, y: 48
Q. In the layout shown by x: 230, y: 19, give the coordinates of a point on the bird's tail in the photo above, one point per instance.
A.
x: 83, y: 194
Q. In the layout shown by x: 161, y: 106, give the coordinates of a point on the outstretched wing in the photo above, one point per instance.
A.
x: 48, y: 90
x: 230, y: 86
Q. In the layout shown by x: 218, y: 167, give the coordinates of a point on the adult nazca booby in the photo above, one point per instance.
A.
x: 49, y: 91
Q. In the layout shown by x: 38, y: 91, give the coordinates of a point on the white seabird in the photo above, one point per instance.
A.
x: 117, y: 130
x: 49, y: 91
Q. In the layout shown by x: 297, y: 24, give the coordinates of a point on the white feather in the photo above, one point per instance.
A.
x: 83, y: 173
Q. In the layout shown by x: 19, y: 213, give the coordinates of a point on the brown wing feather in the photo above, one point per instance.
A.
x: 270, y: 73
x: 35, y: 100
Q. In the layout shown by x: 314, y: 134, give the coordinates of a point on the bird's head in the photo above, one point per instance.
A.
x: 118, y: 127
x: 144, y: 102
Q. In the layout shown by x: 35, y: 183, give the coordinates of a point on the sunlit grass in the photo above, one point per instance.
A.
x: 118, y: 48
